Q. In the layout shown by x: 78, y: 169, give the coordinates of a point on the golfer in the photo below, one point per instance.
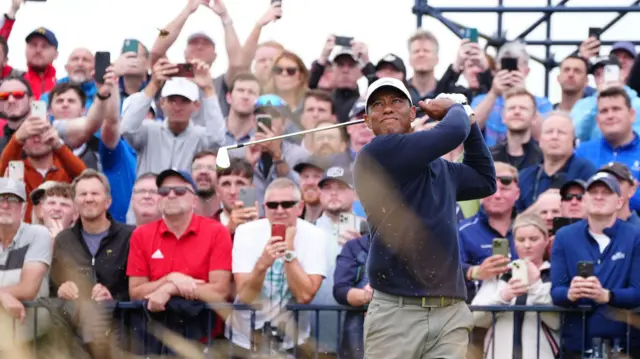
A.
x: 409, y: 193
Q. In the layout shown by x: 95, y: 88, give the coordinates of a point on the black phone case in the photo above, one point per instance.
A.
x: 102, y: 61
x: 343, y: 41
x: 585, y: 269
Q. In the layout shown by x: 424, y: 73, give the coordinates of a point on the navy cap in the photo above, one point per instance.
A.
x: 394, y: 61
x: 621, y: 171
x: 625, y: 46
x: 46, y: 33
x: 178, y: 173
x: 358, y: 108
x: 341, y: 174
x: 575, y: 182
x: 603, y: 61
x: 607, y: 179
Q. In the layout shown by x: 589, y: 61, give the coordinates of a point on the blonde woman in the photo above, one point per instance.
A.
x: 288, y: 79
x: 531, y: 239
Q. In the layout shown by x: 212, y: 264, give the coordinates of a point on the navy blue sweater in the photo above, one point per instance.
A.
x: 409, y: 194
x: 617, y: 268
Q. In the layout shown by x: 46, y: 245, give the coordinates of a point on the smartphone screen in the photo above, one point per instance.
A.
x: 343, y: 41
x: 130, y: 45
x: 585, y: 269
x: 184, y: 70
x: 595, y: 32
x: 103, y: 60
x: 265, y: 120
x: 247, y: 195
x: 278, y: 230
x: 501, y: 247
x: 509, y: 63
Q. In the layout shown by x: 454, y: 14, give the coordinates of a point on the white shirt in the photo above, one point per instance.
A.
x: 602, y: 239
x: 249, y: 241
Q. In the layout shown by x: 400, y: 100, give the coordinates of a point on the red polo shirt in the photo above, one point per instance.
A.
x: 155, y: 251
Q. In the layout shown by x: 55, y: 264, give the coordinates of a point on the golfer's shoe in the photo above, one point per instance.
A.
x: 458, y: 98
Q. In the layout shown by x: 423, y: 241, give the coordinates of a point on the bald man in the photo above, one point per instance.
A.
x: 559, y: 165
x: 80, y: 67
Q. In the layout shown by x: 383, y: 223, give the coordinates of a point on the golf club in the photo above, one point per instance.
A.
x: 223, y: 161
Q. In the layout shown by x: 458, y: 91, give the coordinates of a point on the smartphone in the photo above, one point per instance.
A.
x: 595, y: 32
x: 520, y: 270
x: 130, y: 45
x: 16, y: 170
x: 278, y: 230
x: 509, y: 63
x: 347, y: 221
x: 585, y: 269
x: 280, y: 1
x: 611, y: 73
x: 265, y: 120
x: 343, y: 41
x: 103, y: 60
x: 39, y: 109
x: 471, y: 34
x: 559, y: 222
x: 364, y: 228
x: 501, y: 247
x: 247, y: 195
x: 184, y: 70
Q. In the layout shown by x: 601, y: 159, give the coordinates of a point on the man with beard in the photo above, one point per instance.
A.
x: 41, y: 51
x: 241, y: 124
x: 328, y: 142
x: 45, y: 154
x: 311, y: 172
x: 203, y: 170
x: 230, y: 182
x: 15, y: 105
x: 80, y: 67
x: 90, y: 258
x: 144, y: 202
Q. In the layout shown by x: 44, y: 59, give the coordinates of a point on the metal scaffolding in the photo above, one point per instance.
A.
x: 422, y: 8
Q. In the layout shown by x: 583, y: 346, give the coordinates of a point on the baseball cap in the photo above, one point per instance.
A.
x: 387, y: 82
x: 318, y: 162
x: 603, y: 61
x: 625, y: 46
x: 46, y: 33
x: 177, y: 173
x: 621, y: 171
x: 575, y: 182
x: 11, y: 186
x: 182, y: 87
x: 393, y: 60
x: 37, y: 194
x: 358, y: 108
x: 344, y: 51
x: 607, y: 179
x: 200, y: 35
x: 336, y: 173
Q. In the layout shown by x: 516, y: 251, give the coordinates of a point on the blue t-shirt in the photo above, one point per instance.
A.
x: 119, y: 165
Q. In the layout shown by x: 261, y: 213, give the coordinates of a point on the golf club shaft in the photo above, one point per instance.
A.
x: 249, y: 143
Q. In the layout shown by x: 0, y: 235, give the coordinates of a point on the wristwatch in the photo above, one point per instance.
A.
x: 290, y: 255
x: 102, y: 97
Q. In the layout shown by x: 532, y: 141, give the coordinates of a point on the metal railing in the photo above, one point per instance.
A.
x: 124, y: 311
x: 422, y: 8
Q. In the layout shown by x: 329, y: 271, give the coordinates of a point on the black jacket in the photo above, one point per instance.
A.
x: 72, y: 261
x: 532, y: 154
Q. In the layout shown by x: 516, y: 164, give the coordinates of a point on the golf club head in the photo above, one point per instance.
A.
x: 222, y: 159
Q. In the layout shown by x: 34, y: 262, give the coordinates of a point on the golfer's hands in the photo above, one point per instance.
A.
x: 492, y: 266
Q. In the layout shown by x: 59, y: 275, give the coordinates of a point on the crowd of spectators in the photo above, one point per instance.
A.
x: 113, y: 193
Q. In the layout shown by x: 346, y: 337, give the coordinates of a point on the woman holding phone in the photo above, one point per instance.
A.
x: 527, y: 283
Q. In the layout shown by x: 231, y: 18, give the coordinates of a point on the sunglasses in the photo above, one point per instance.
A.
x: 179, y: 190
x: 279, y: 70
x: 284, y: 204
x: 569, y: 197
x: 4, y: 96
x: 506, y: 180
x: 270, y: 101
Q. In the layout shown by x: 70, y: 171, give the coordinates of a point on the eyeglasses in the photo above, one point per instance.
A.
x: 569, y: 197
x: 178, y: 190
x: 199, y: 167
x: 10, y: 199
x: 284, y: 204
x: 270, y: 100
x: 4, y: 96
x: 506, y: 180
x: 144, y: 191
x: 279, y: 70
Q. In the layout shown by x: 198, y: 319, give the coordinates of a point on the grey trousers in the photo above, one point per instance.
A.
x: 395, y: 331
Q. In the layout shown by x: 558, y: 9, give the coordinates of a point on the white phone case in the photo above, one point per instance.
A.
x: 39, y: 109
x: 611, y: 73
x: 520, y: 270
x: 16, y: 170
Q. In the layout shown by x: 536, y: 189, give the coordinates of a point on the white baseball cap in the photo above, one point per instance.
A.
x: 182, y: 87
x: 387, y: 82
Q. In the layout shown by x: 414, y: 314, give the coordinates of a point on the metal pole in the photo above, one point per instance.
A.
x: 547, y: 70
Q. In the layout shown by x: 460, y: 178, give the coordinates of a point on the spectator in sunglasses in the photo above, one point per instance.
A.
x: 15, y: 104
x: 288, y: 79
x: 628, y: 187
x: 571, y: 195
